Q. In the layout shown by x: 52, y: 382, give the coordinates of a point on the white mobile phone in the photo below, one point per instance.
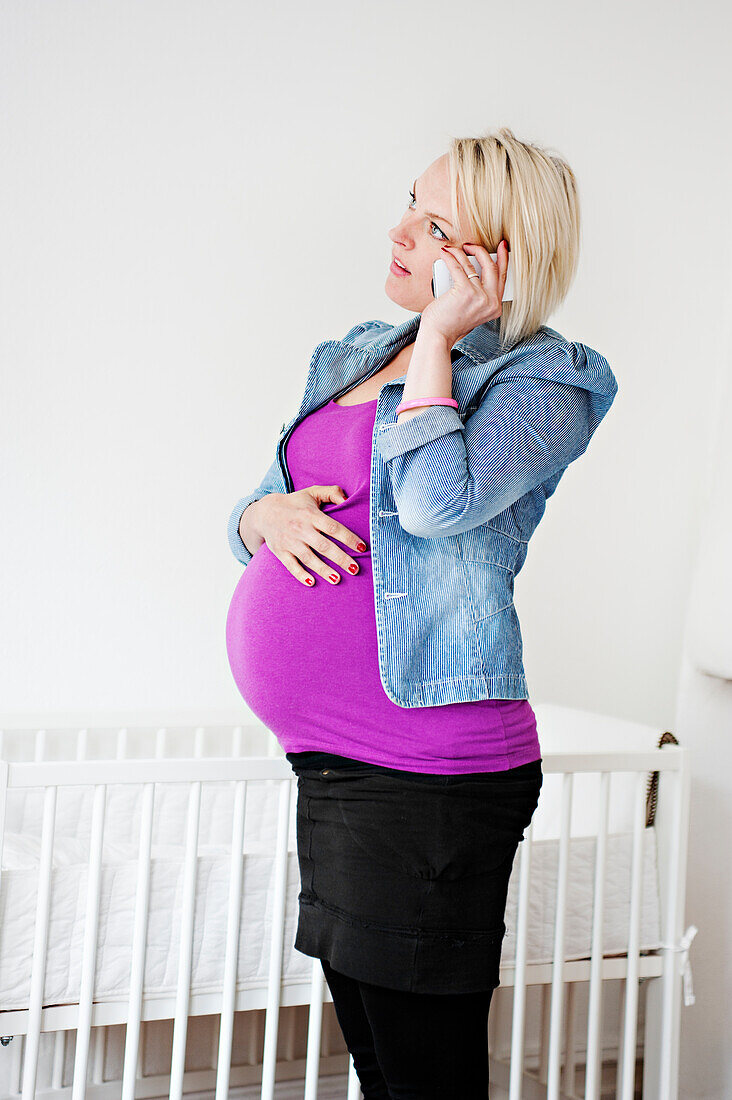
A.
x: 442, y: 279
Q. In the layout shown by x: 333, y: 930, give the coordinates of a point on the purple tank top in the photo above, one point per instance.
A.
x: 305, y: 658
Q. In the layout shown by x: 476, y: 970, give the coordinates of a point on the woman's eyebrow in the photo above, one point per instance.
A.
x: 429, y: 212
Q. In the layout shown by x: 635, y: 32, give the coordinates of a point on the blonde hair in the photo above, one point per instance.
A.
x: 528, y: 195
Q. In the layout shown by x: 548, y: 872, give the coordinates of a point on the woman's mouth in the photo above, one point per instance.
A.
x: 397, y: 270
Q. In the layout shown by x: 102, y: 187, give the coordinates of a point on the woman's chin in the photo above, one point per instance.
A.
x: 402, y: 296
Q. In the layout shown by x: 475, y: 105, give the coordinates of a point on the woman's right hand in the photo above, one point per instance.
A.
x: 294, y: 528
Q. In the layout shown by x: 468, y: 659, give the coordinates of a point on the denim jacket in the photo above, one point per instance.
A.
x: 456, y: 494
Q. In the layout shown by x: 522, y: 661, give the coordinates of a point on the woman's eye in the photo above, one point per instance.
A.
x: 443, y: 236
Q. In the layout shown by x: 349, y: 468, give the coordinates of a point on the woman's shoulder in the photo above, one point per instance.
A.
x: 551, y: 356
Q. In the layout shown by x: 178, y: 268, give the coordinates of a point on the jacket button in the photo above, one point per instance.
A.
x: 326, y: 772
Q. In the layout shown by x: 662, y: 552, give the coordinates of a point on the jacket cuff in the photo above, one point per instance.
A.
x: 395, y: 439
x: 238, y: 548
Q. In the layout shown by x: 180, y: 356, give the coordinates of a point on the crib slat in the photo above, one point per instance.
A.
x: 569, y: 1072
x: 199, y: 742
x: 100, y: 1035
x: 626, y: 1088
x: 141, y: 1049
x: 16, y: 1068
x: 59, y: 1053
x: 555, y: 1025
x: 315, y: 1021
x: 185, y: 954
x: 594, y: 1021
x: 253, y: 1038
x: 678, y: 801
x: 40, y: 746
x: 289, y: 1032
x: 274, y: 981
x: 545, y: 1033
x: 139, y: 938
x: 231, y: 956
x: 99, y: 1051
x: 89, y: 954
x: 519, y: 975
x: 81, y: 744
x: 38, y: 972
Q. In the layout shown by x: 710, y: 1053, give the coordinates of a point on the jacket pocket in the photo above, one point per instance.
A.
x: 490, y: 588
x: 487, y: 543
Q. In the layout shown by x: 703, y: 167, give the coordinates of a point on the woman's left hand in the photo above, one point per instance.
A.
x: 469, y: 302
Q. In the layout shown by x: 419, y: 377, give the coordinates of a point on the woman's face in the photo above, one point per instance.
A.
x: 418, y: 238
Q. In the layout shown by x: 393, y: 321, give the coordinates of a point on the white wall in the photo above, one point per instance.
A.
x: 703, y: 724
x: 195, y: 194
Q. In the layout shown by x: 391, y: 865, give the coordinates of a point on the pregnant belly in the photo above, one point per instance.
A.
x: 291, y: 646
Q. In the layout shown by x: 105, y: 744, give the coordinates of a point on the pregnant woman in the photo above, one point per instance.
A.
x: 373, y: 630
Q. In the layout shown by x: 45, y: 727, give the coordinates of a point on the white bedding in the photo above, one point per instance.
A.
x: 65, y: 939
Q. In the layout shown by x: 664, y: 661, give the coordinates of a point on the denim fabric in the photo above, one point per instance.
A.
x: 456, y: 494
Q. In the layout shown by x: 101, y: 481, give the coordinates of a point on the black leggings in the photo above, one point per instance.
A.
x: 413, y: 1046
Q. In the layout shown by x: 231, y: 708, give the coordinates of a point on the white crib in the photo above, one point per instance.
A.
x: 148, y: 906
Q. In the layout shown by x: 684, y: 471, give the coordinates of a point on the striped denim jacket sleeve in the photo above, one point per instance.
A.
x: 448, y: 476
x: 272, y: 482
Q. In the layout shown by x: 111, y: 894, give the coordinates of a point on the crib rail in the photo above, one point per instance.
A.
x: 101, y: 774
x: 557, y: 1075
x: 661, y: 1068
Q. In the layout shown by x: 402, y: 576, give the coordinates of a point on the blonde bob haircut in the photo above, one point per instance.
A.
x: 528, y: 195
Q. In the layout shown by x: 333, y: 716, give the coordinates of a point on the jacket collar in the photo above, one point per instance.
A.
x: 338, y: 365
x: 479, y: 345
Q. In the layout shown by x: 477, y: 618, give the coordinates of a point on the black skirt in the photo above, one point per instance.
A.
x: 404, y: 875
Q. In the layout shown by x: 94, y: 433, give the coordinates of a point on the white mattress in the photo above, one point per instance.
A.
x: 20, y: 861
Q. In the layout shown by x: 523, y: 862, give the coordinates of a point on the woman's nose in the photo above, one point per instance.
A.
x: 399, y: 234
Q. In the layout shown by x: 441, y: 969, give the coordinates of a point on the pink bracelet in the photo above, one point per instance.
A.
x: 426, y: 401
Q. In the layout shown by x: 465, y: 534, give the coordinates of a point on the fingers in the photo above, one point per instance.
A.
x: 305, y: 562
x: 322, y: 494
x: 291, y: 563
x: 503, y: 265
x: 339, y: 557
x: 458, y: 270
x: 306, y: 537
x: 500, y: 264
x: 335, y: 530
x: 311, y: 564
